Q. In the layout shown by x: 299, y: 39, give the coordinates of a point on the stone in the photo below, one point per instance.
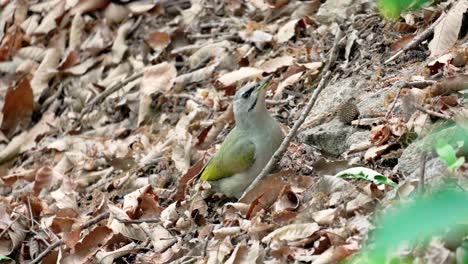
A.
x: 330, y: 137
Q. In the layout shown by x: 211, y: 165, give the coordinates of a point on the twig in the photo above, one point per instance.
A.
x: 138, y: 221
x: 207, y: 240
x: 47, y: 251
x: 292, y: 133
x: 431, y: 113
x: 400, y: 86
x: 59, y: 242
x: 422, y: 170
x: 416, y: 40
x: 8, y: 227
x: 109, y: 91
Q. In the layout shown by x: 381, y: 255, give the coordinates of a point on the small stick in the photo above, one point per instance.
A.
x: 422, y: 171
x: 59, y: 242
x: 432, y: 113
x: 400, y: 86
x: 109, y: 91
x: 292, y: 133
x: 138, y: 221
x: 416, y: 40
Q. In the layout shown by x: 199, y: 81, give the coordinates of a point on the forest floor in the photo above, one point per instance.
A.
x: 110, y: 109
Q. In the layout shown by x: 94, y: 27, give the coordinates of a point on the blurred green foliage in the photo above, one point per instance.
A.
x: 426, y: 216
x: 448, y: 154
x: 392, y: 9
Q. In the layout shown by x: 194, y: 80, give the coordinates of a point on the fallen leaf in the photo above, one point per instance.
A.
x: 446, y: 31
x: 287, y: 31
x: 17, y: 108
x: 91, y: 243
x: 186, y: 178
x: 157, y: 40
x: 292, y: 232
x: 285, y: 83
x: 156, y: 78
x: 276, y: 63
x: 239, y: 75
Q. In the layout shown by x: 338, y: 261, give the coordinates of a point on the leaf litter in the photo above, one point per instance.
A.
x: 89, y: 173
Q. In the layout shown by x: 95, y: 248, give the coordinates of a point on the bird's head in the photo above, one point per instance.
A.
x: 250, y: 99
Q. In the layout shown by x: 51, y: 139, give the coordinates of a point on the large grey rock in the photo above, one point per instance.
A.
x: 373, y: 104
x: 410, y: 159
x: 338, y: 10
x: 335, y: 93
x: 331, y: 137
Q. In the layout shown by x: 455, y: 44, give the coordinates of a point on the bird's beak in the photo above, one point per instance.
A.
x: 264, y: 83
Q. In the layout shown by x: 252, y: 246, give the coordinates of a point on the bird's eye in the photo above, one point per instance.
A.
x: 247, y: 93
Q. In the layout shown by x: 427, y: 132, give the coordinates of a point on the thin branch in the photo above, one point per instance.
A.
x: 432, y: 113
x: 422, y: 170
x: 59, y: 242
x: 400, y: 86
x: 47, y: 251
x: 114, y: 88
x: 416, y: 40
x: 292, y: 133
x: 138, y: 221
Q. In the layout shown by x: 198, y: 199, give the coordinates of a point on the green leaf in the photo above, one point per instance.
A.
x: 391, y: 9
x: 5, y: 258
x: 425, y: 217
x: 448, y: 154
x: 366, y: 174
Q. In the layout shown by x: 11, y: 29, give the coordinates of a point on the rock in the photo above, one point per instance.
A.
x: 373, y: 104
x: 410, y: 160
x: 331, y: 137
x: 338, y: 10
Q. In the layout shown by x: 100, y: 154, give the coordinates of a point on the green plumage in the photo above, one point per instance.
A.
x: 237, y: 154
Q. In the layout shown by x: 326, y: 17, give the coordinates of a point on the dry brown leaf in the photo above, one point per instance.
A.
x: 32, y: 52
x: 115, y: 13
x: 91, y: 243
x: 258, y: 37
x: 292, y: 232
x: 83, y: 67
x: 17, y: 108
x: 157, y: 78
x: 158, y: 40
x: 223, y: 232
x: 244, y: 253
x: 139, y: 7
x: 160, y: 238
x: 380, y: 135
x: 287, y: 31
x: 276, y: 63
x: 65, y: 199
x: 50, y: 21
x: 285, y: 83
x: 446, y: 31
x: 12, y: 42
x: 46, y: 71
x: 218, y: 253
x: 46, y: 178
x: 132, y: 201
x: 76, y: 33
x: 85, y: 6
x: 132, y: 231
x: 119, y: 47
x: 401, y: 42
x: 239, y: 75
x: 186, y: 178
x: 397, y: 126
x: 27, y: 139
x: 336, y: 254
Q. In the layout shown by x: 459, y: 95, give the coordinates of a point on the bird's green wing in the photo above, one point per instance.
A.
x: 235, y: 155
